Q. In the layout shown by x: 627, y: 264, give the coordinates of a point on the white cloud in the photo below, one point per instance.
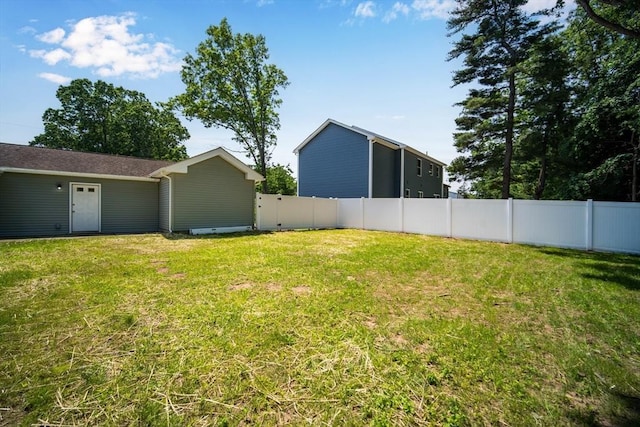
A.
x: 55, y: 78
x: 52, y: 37
x: 427, y: 9
x: 264, y: 2
x: 27, y: 30
x: 398, y: 8
x: 105, y: 44
x: 51, y: 57
x: 366, y: 9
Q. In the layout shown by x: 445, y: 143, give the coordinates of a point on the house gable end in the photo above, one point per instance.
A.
x: 334, y: 163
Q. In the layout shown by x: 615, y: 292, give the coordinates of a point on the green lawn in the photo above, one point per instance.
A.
x: 340, y: 327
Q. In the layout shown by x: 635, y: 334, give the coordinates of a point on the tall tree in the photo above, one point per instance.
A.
x: 620, y: 16
x: 229, y: 84
x: 606, y: 101
x: 99, y: 117
x: 544, y: 120
x: 502, y: 34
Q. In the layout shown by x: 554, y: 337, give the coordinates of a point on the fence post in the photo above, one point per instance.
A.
x: 510, y: 220
x: 589, y: 225
x: 313, y: 212
x: 401, y: 201
x: 258, y: 216
x: 449, y: 218
x: 278, y: 224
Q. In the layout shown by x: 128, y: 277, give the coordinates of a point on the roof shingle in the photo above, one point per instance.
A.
x: 49, y: 159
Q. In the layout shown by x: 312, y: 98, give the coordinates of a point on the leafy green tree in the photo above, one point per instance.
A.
x: 99, y: 117
x: 280, y: 180
x: 544, y: 121
x: 620, y: 16
x: 502, y: 34
x: 229, y: 84
x: 606, y: 102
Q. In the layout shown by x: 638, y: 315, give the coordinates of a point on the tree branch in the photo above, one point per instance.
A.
x: 586, y: 6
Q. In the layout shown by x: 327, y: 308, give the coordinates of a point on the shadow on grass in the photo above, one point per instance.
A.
x: 186, y: 236
x: 621, y: 269
x: 632, y: 406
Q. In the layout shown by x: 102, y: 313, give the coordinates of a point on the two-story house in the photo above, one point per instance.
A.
x: 343, y: 161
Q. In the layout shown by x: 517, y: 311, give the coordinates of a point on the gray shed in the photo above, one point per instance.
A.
x: 48, y: 192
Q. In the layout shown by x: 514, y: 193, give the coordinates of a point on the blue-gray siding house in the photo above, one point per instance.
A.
x: 49, y: 192
x: 343, y: 161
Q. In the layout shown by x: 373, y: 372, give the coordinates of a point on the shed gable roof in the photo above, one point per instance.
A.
x: 388, y: 142
x: 183, y: 166
x: 27, y: 157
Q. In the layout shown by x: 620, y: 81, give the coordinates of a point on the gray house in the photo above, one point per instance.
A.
x: 343, y: 161
x: 48, y: 192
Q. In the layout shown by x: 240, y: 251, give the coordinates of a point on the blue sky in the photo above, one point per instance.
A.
x: 376, y: 64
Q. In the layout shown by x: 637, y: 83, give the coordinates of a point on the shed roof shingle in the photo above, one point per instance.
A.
x: 48, y: 159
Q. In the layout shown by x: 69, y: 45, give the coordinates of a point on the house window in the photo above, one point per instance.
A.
x: 420, y: 195
x: 407, y: 192
x: 430, y: 168
x: 419, y: 167
x: 438, y: 171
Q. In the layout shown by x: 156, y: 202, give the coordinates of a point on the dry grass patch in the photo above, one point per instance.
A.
x: 339, y: 327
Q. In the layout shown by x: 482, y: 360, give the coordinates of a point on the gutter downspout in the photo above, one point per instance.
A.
x: 402, y: 172
x: 170, y: 201
x: 370, y: 167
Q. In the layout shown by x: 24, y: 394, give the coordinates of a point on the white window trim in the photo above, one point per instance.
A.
x: 419, y: 171
x: 431, y: 169
x: 420, y: 195
x: 407, y: 192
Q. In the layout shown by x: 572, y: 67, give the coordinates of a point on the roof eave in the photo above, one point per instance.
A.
x: 77, y: 174
x: 183, y: 166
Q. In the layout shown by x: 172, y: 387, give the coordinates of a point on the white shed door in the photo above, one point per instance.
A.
x: 85, y: 207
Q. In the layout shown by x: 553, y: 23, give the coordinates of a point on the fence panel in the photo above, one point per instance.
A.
x: 606, y: 226
x: 383, y: 214
x: 616, y: 227
x: 427, y: 216
x: 551, y: 223
x: 266, y: 212
x: 325, y: 213
x: 295, y: 212
x: 276, y: 212
x: 350, y: 213
x: 480, y: 219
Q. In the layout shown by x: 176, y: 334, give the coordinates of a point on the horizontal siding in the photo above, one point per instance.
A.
x: 129, y: 206
x: 386, y: 181
x: 163, y: 202
x: 334, y: 164
x: 212, y: 194
x: 31, y: 205
x: 428, y: 184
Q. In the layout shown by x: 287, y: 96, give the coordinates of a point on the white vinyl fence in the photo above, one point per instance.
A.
x: 602, y: 226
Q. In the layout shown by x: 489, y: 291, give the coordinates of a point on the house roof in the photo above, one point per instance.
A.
x: 182, y: 167
x: 372, y: 136
x: 49, y: 159
x: 29, y: 159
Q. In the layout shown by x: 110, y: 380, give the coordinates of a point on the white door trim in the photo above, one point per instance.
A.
x: 92, y: 184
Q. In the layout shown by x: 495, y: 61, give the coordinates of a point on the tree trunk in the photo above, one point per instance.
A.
x: 508, y: 143
x: 263, y: 169
x: 542, y: 177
